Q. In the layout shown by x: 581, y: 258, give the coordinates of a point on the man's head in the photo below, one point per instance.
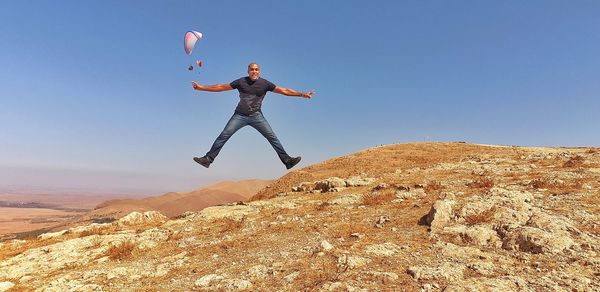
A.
x: 253, y: 71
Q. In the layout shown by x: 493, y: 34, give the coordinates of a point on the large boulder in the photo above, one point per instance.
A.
x: 440, y: 214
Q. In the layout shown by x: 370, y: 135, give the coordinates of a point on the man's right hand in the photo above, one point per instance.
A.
x: 196, y: 86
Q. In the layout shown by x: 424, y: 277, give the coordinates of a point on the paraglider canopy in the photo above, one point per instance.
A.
x: 190, y: 39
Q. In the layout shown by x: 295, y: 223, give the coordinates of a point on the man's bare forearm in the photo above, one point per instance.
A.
x: 293, y: 92
x: 215, y: 87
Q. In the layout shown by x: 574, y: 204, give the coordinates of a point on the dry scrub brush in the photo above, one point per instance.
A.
x: 121, y: 251
x: 379, y: 197
x: 482, y: 217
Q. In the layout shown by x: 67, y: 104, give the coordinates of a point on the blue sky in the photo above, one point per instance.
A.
x: 97, y: 94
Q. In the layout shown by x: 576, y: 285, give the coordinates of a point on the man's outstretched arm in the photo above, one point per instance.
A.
x: 292, y: 92
x: 213, y: 88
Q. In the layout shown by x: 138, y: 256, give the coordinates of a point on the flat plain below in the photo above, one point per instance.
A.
x: 16, y: 220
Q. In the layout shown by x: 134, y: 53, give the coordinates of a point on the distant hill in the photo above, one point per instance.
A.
x: 174, y: 203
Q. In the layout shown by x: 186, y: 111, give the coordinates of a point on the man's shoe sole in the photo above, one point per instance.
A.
x: 289, y: 166
x: 197, y: 160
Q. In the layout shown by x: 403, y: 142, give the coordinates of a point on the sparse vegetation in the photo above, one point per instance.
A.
x: 121, y: 251
x: 433, y: 187
x: 483, y: 182
x: 575, y: 161
x: 229, y: 224
x: 482, y: 217
x: 321, y: 206
x: 316, y: 271
x: 379, y: 197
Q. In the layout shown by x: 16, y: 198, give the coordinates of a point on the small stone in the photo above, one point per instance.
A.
x: 326, y: 246
x: 5, y: 286
x: 381, y: 221
x: 206, y: 280
x: 258, y: 271
x: 291, y: 277
x: 356, y: 235
x: 237, y: 284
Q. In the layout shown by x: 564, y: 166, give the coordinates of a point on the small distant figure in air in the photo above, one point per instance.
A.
x: 252, y: 90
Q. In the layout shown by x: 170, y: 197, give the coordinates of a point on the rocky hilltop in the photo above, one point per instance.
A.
x: 413, y: 217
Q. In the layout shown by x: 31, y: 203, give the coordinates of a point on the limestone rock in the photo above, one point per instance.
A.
x: 389, y: 276
x: 291, y: 277
x: 350, y: 261
x: 330, y: 184
x: 137, y: 218
x: 356, y: 181
x: 5, y: 286
x: 479, y: 235
x: 258, y: 271
x: 448, y: 271
x: 234, y: 212
x: 535, y: 240
x: 235, y: 284
x: 349, y: 199
x: 506, y: 283
x: 410, y: 194
x: 440, y: 214
x: 208, y: 279
x: 51, y: 235
x: 304, y: 187
x: 326, y: 246
x: 384, y: 249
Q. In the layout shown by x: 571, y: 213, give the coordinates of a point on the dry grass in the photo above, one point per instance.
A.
x: 347, y: 229
x: 316, y: 271
x: 121, y: 251
x: 230, y: 224
x: 575, y: 161
x: 482, y: 182
x: 567, y: 187
x: 539, y: 184
x: 98, y: 231
x: 174, y: 236
x: 482, y: 217
x: 96, y: 243
x: 433, y: 187
x: 379, y: 198
x: 321, y: 206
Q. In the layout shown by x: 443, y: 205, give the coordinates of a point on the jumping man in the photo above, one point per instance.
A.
x: 248, y: 112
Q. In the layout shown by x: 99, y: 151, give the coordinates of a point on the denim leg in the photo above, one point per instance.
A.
x: 259, y: 123
x: 235, y: 123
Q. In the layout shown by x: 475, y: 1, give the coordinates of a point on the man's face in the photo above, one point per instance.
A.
x: 253, y: 71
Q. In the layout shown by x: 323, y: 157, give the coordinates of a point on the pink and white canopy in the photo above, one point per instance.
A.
x: 190, y: 39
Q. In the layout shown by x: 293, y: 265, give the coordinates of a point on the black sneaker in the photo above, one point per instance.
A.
x: 204, y: 161
x: 292, y: 161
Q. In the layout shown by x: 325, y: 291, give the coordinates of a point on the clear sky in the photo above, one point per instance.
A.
x: 97, y: 95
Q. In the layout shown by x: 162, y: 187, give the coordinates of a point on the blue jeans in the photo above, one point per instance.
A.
x: 238, y: 121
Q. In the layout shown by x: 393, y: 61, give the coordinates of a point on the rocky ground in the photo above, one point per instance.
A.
x: 424, y: 216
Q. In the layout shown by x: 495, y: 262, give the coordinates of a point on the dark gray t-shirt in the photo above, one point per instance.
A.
x: 252, y: 93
